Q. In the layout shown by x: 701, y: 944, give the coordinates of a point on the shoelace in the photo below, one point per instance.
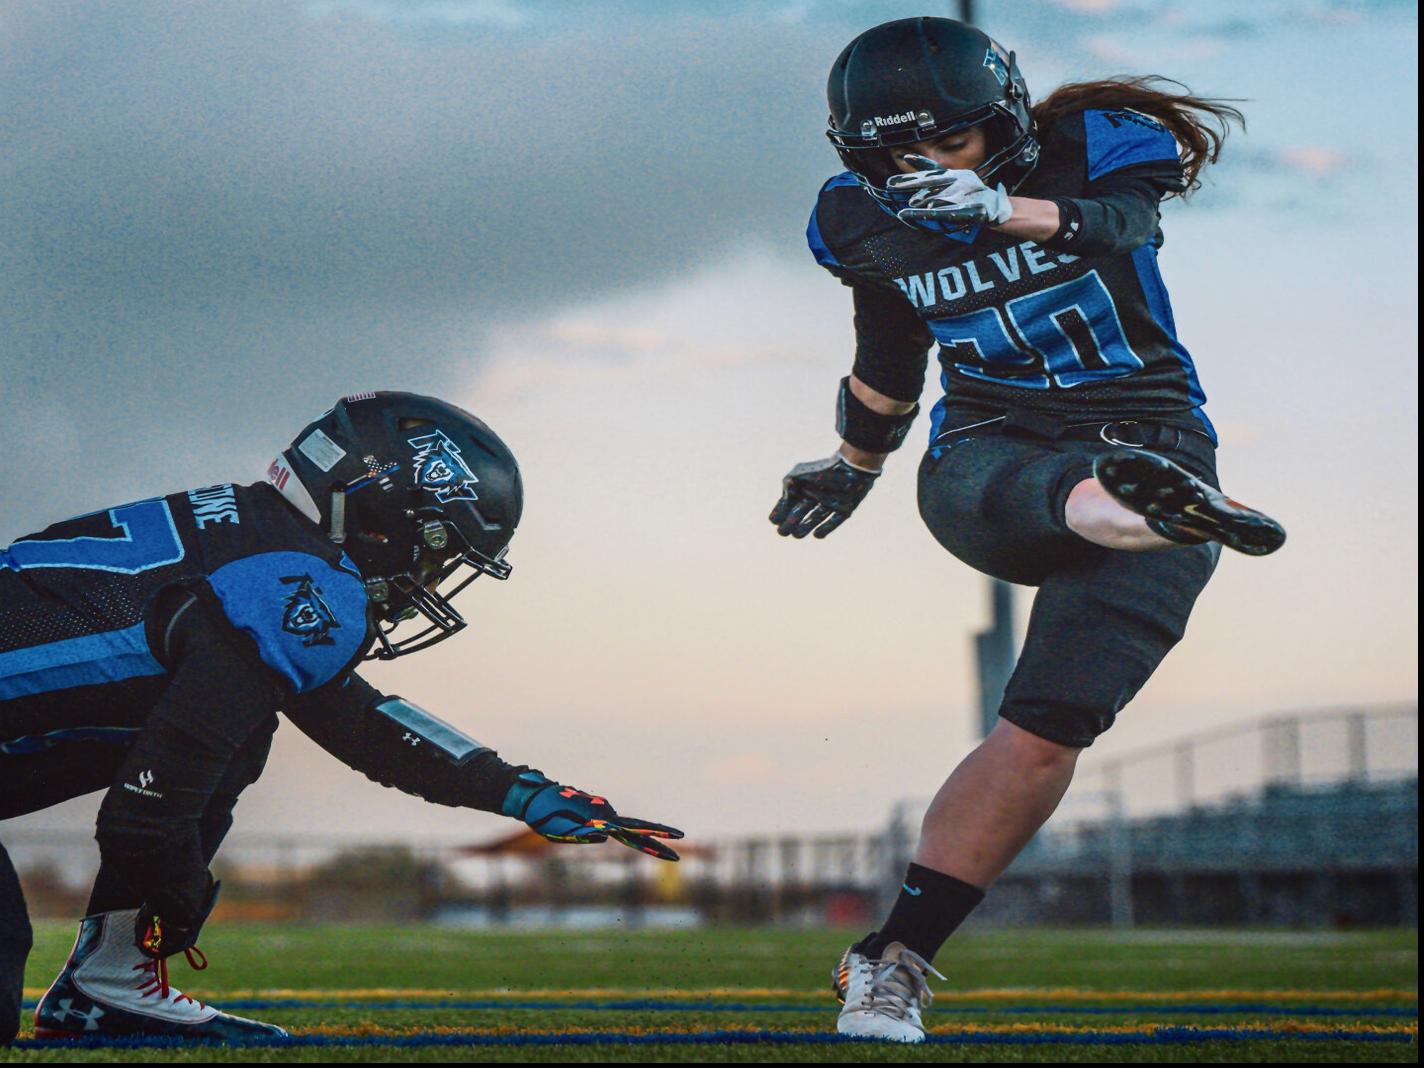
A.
x: 156, y: 976
x: 900, y: 984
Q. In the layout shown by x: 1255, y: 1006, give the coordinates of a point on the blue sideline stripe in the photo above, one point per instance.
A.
x: 1163, y: 1036
x: 94, y: 658
x: 505, y: 1004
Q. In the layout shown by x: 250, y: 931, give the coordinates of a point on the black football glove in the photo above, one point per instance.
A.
x: 819, y: 496
x: 565, y: 814
x: 170, y: 920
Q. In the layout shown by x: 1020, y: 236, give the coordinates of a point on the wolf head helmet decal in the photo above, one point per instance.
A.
x: 441, y: 469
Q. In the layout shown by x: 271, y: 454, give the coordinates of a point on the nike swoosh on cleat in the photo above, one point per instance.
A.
x: 1197, y: 512
x: 910, y: 890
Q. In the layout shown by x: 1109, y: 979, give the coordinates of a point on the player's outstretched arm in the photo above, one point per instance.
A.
x: 397, y: 743
x: 818, y: 496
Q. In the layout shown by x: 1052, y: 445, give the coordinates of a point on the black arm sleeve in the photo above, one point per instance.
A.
x: 892, y: 343
x: 149, y: 823
x: 343, y: 719
x: 1117, y: 213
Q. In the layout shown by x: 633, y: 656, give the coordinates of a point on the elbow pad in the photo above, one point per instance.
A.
x: 865, y: 428
x: 417, y: 727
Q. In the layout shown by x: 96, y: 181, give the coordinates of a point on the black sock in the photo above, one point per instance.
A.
x: 930, y: 906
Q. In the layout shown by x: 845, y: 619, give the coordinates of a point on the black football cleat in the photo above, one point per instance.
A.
x: 1181, y: 507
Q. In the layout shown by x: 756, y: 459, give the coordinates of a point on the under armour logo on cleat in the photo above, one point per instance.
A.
x: 90, y: 1018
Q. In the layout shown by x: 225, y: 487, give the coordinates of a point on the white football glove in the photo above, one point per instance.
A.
x: 950, y: 196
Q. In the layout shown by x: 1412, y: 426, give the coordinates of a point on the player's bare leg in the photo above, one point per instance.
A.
x: 1175, y: 504
x: 993, y: 803
x: 1094, y: 515
x: 984, y: 814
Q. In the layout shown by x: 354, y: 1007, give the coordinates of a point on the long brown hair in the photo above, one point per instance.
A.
x: 1199, y: 124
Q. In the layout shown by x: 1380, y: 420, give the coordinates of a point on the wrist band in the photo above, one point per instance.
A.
x: 1070, y: 223
x: 867, y: 429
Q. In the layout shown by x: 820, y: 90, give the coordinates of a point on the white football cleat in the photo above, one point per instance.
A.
x: 110, y: 987
x: 883, y: 997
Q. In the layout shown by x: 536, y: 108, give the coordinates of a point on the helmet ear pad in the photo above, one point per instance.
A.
x: 375, y: 548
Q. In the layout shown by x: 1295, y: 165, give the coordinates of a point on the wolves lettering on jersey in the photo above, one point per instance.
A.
x: 73, y: 597
x: 1018, y: 325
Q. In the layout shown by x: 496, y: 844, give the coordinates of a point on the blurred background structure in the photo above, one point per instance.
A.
x: 1303, y: 819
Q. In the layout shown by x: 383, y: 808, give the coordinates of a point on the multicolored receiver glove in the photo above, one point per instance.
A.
x: 819, y: 496
x: 950, y: 196
x: 564, y: 814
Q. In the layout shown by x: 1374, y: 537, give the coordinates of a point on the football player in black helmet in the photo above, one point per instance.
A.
x: 1070, y: 451
x: 145, y: 650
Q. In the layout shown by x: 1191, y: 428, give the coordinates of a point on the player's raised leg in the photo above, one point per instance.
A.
x: 1182, y: 508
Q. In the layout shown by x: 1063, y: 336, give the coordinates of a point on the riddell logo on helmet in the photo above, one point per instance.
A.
x: 895, y: 120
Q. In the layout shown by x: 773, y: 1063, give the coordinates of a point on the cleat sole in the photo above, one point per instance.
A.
x: 1154, y: 487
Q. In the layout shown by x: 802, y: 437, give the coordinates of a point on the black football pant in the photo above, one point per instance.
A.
x: 1103, y: 619
x: 15, y: 941
x: 35, y: 781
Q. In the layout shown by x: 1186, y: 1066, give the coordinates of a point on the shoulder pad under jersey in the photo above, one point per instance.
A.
x: 306, y: 616
x: 827, y: 209
x: 1117, y: 138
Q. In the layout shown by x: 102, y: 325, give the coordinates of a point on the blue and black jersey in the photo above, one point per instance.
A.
x: 77, y: 599
x: 1078, y: 326
x: 148, y: 648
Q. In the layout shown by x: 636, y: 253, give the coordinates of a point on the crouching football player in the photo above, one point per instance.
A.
x: 147, y: 649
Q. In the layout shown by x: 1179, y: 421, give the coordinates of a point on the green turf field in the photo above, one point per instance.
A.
x: 420, y: 993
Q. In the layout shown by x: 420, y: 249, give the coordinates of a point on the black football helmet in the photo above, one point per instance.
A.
x: 417, y: 492
x: 917, y: 79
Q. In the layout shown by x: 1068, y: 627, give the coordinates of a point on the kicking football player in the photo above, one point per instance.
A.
x: 146, y: 650
x: 1070, y: 451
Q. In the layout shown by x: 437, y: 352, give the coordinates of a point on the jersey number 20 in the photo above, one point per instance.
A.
x: 1070, y: 334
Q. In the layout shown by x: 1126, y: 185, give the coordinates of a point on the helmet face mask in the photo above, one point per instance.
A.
x: 916, y: 80
x: 423, y: 497
x: 416, y: 597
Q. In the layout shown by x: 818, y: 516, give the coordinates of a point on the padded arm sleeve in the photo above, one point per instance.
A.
x: 1119, y: 212
x: 892, y: 343
x: 396, y: 744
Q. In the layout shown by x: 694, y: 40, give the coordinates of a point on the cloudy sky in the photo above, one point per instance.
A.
x: 584, y: 222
